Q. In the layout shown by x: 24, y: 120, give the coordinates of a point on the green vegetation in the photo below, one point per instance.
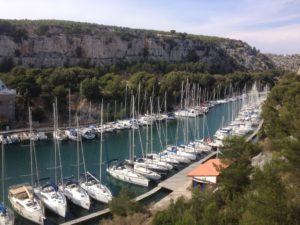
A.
x: 125, y: 211
x: 248, y: 195
x: 38, y: 87
x: 16, y: 28
x: 123, y: 205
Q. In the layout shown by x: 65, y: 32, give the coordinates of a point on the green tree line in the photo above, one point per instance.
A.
x: 111, y: 82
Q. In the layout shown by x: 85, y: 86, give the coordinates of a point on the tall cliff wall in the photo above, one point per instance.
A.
x: 287, y: 62
x: 61, y: 43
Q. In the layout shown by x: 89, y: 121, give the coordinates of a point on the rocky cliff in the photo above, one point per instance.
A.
x: 287, y: 62
x: 61, y: 43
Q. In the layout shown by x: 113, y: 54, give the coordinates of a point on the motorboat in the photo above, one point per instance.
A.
x: 25, y: 203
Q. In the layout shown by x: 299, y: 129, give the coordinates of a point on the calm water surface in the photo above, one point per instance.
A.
x: 115, y: 146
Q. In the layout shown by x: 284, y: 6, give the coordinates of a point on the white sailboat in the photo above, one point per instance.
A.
x: 91, y: 184
x: 125, y: 173
x: 21, y: 196
x: 179, y: 151
x: 52, y: 198
x: 75, y: 193
x: 179, y: 158
x: 163, y: 157
x: 95, y: 189
x: 147, y: 173
x: 49, y: 193
x: 71, y: 187
x: 6, y: 215
x: 150, y: 164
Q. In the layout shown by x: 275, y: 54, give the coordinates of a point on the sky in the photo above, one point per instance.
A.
x: 272, y: 26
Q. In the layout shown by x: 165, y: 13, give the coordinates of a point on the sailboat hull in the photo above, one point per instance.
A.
x: 77, y: 196
x: 56, y: 202
x: 33, y: 216
x: 97, y: 193
x: 128, y: 176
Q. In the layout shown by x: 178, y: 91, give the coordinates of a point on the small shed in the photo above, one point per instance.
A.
x: 207, y: 173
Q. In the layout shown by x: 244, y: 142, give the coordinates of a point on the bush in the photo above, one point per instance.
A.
x: 90, y: 88
x: 6, y: 64
x: 38, y: 114
x: 122, y: 205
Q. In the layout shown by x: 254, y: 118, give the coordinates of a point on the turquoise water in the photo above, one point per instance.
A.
x: 115, y: 146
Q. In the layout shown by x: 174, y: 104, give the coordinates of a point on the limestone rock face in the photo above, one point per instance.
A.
x: 286, y: 62
x: 261, y: 159
x: 31, y: 43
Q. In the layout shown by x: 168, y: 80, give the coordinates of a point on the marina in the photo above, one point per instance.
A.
x: 179, y: 132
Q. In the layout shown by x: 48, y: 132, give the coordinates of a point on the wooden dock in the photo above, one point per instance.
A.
x: 253, y: 135
x: 177, y: 180
x: 88, y: 217
x: 107, y: 211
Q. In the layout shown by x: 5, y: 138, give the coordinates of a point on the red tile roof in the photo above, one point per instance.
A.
x: 209, y: 168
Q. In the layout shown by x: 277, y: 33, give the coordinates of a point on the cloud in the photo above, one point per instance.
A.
x: 270, y: 25
x: 283, y: 40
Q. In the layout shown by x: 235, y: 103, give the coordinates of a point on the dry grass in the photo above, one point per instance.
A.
x: 134, y: 219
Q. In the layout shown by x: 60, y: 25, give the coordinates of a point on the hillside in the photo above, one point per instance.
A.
x: 287, y: 62
x: 51, y: 43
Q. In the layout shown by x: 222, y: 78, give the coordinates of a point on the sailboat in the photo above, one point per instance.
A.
x: 71, y: 187
x: 6, y: 215
x: 21, y: 196
x: 91, y: 184
x: 126, y: 173
x: 49, y: 193
x: 144, y: 169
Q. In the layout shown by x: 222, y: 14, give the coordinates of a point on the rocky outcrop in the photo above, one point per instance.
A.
x: 286, y: 62
x: 260, y: 160
x: 62, y: 43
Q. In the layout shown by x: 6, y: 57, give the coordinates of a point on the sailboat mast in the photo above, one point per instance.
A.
x: 57, y: 143
x: 3, y: 186
x: 101, y: 139
x: 77, y: 133
x: 151, y: 133
x: 166, y: 119
x: 126, y: 100
x: 138, y: 102
x: 181, y: 97
x: 54, y: 128
x: 83, y: 159
x: 133, y: 126
x: 30, y: 140
x: 69, y: 107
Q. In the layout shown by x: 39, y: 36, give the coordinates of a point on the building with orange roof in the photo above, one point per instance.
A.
x: 206, y: 173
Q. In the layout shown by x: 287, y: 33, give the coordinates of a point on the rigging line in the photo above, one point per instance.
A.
x: 159, y: 137
x: 140, y: 139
